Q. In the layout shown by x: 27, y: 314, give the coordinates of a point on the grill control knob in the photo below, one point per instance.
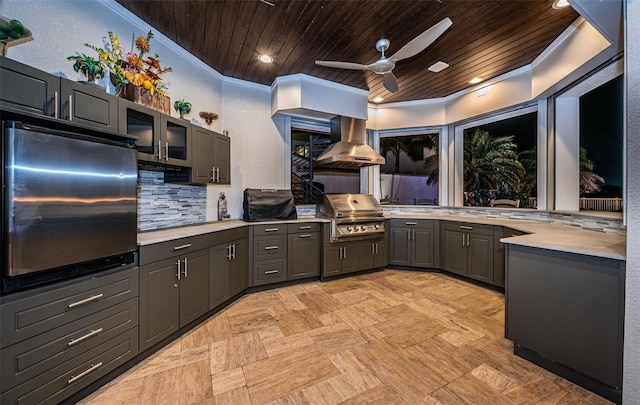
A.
x: 376, y: 227
x: 348, y: 229
x: 355, y: 228
x: 363, y: 228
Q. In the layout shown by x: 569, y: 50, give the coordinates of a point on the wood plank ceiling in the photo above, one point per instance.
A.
x: 488, y: 38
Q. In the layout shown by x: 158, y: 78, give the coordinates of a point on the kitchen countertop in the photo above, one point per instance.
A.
x: 540, y: 234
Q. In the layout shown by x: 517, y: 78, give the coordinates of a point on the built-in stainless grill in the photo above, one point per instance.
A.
x: 353, y: 216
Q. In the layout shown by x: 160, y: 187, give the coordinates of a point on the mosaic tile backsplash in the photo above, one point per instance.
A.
x: 165, y: 205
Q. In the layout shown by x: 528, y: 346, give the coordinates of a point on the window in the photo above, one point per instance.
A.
x: 500, y: 161
x: 601, y: 147
x: 410, y: 174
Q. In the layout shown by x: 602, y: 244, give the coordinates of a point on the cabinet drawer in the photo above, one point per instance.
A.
x: 58, y: 383
x: 39, y: 313
x: 269, y: 247
x: 175, y: 247
x: 414, y: 223
x: 467, y: 227
x: 220, y: 237
x: 270, y: 271
x: 304, y: 227
x: 270, y: 229
x: 41, y: 353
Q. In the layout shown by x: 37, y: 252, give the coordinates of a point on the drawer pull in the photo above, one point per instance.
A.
x: 271, y: 247
x: 85, y: 337
x: 411, y: 223
x: 271, y: 272
x: 304, y: 227
x: 306, y: 235
x: 85, y: 301
x: 469, y: 228
x: 188, y: 245
x: 84, y: 373
x: 271, y: 230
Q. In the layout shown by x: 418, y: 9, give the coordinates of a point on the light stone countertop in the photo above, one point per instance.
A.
x: 543, y: 235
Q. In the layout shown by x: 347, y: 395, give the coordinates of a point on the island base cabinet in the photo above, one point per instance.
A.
x: 568, y: 309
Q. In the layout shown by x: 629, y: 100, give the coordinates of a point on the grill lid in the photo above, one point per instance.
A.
x: 349, y: 205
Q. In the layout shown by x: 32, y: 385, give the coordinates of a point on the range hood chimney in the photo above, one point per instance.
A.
x: 349, y: 149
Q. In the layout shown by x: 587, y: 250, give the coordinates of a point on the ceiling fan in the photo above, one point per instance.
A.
x: 384, y: 66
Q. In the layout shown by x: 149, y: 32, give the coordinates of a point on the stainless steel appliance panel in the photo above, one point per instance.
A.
x: 68, y: 200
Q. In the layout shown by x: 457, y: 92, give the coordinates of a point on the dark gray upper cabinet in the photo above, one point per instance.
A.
x: 33, y: 91
x: 210, y: 157
x: 222, y: 159
x: 161, y: 138
x: 412, y: 242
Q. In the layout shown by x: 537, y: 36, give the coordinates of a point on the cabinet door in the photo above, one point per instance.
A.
x: 218, y: 275
x: 366, y: 251
x: 480, y: 259
x: 304, y: 255
x: 331, y: 261
x: 239, y: 267
x: 28, y: 88
x: 135, y: 119
x: 349, y: 258
x: 380, y: 257
x: 159, y: 301
x: 81, y: 103
x: 194, y: 286
x: 400, y: 245
x: 422, y: 255
x: 175, y: 137
x: 455, y: 252
x: 202, y: 154
x: 222, y: 158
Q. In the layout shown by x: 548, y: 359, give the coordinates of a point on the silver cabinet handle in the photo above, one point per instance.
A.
x: 271, y: 247
x: 159, y: 150
x: 217, y: 175
x: 233, y: 251
x: 376, y: 247
x: 85, y: 301
x: 85, y: 372
x: 229, y: 252
x: 213, y: 176
x: 271, y: 272
x: 188, y: 245
x: 408, y: 234
x: 464, y: 238
x: 468, y: 228
x: 344, y: 256
x: 373, y: 248
x: 85, y: 337
x: 411, y: 223
x: 70, y: 107
x: 271, y: 230
x: 166, y: 151
x: 56, y: 104
x: 340, y: 253
x: 306, y: 235
x: 185, y: 269
x: 468, y: 240
x: 178, y: 264
x: 304, y: 227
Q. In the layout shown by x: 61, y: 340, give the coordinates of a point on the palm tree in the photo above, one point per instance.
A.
x: 489, y: 164
x: 589, y: 181
x: 395, y: 145
x: 529, y: 178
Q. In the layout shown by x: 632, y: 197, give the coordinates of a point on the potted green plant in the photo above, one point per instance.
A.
x: 182, y: 107
x: 91, y: 68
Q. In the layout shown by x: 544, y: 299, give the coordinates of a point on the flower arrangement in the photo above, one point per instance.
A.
x: 131, y: 67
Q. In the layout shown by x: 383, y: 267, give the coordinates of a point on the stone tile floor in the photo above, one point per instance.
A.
x: 392, y: 337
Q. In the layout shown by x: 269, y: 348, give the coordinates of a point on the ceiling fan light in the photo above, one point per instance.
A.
x: 439, y: 66
x: 558, y: 4
x: 378, y: 99
x: 476, y: 80
x: 265, y: 58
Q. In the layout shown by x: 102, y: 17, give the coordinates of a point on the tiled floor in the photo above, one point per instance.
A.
x: 392, y: 337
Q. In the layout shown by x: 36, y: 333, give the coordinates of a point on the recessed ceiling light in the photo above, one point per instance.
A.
x: 438, y: 66
x: 476, y: 80
x: 378, y: 99
x: 265, y: 58
x: 560, y: 4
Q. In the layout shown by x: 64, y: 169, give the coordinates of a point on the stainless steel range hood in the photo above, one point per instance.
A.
x: 349, y: 147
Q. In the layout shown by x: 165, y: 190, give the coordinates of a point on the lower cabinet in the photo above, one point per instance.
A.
x: 229, y: 265
x: 413, y: 243
x: 372, y: 255
x: 469, y: 250
x: 303, y: 247
x: 173, y: 293
x: 340, y: 259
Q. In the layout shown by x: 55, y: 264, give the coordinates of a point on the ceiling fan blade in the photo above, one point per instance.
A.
x: 390, y: 82
x: 341, y: 65
x: 422, y: 41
